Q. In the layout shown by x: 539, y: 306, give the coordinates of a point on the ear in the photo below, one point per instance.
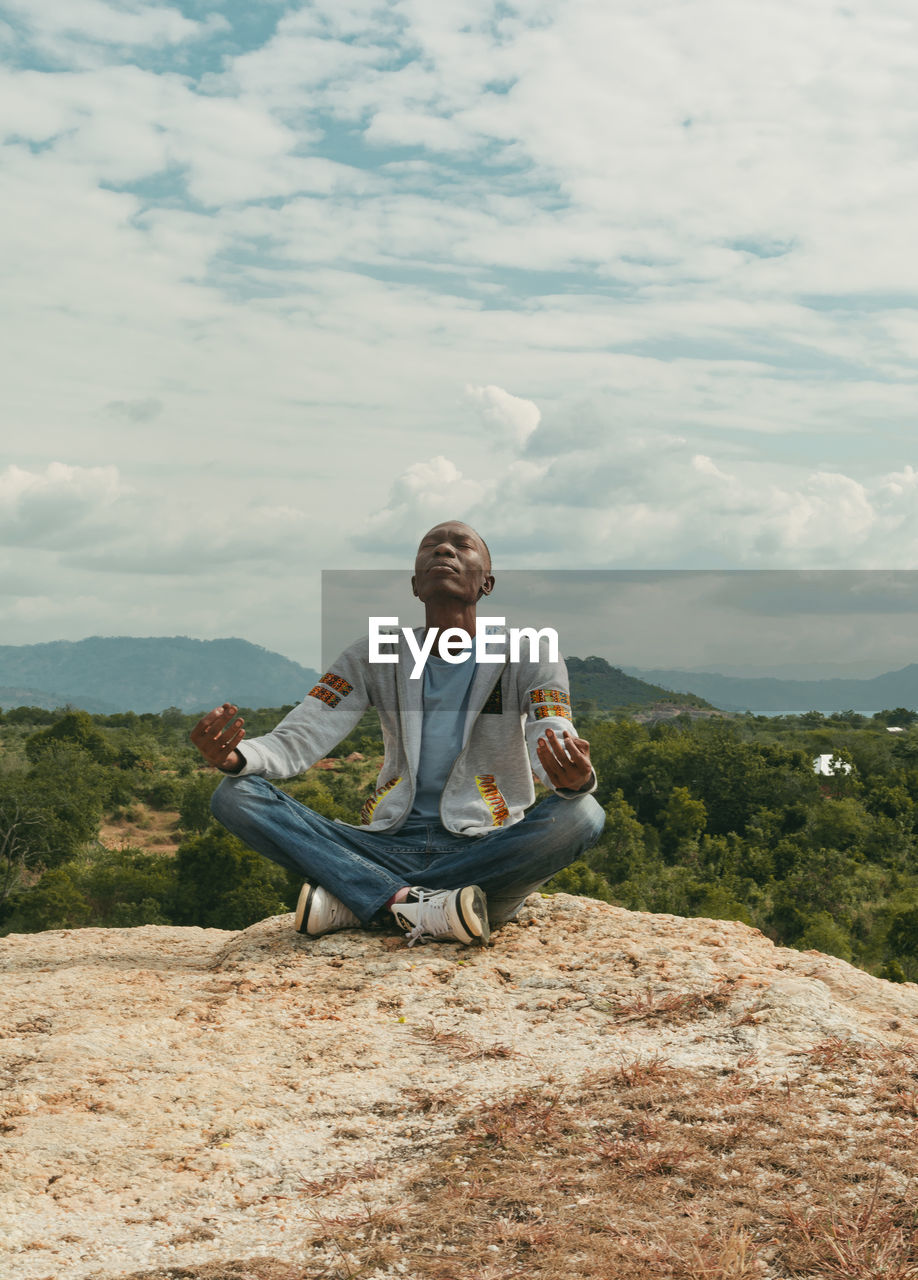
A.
x: 414, y: 585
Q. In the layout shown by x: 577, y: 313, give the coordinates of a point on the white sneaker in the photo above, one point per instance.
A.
x: 318, y: 911
x: 461, y: 914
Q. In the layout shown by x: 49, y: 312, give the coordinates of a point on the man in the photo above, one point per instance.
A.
x: 444, y: 844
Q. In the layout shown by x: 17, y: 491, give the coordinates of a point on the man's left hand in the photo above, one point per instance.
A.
x: 566, y: 761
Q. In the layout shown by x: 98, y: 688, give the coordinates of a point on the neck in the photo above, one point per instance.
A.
x: 450, y: 613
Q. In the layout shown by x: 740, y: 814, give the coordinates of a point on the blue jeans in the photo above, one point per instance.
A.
x: 365, y: 868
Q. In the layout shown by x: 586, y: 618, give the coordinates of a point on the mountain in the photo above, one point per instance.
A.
x: 769, y: 696
x: 129, y: 673
x: 19, y: 697
x: 610, y: 688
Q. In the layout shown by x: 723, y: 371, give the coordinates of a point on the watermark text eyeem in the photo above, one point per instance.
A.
x: 454, y: 644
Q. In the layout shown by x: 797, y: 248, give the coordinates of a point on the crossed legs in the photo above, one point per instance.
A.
x: 364, y: 868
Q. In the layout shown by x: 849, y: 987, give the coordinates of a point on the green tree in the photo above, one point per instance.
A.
x: 29, y: 715
x: 56, y: 902
x: 249, y: 902
x: 71, y: 790
x: 75, y: 729
x: 902, y: 940
x: 715, y: 901
x: 839, y: 824
x: 905, y: 748
x: 164, y: 792
x: 901, y: 716
x: 224, y: 885
x: 21, y: 832
x: 823, y: 933
x: 317, y: 790
x: 109, y: 889
x: 621, y: 848
x: 580, y: 879
x: 194, y: 799
x: 48, y: 813
x: 682, y: 821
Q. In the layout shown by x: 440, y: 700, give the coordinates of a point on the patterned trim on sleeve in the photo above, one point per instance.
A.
x: 550, y: 695
x: 366, y: 813
x: 324, y: 695
x: 338, y: 683
x: 493, y: 798
x: 552, y: 709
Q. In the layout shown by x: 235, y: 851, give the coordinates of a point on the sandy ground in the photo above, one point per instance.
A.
x: 167, y: 1094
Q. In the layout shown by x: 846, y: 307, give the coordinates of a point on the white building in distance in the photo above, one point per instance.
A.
x: 823, y: 765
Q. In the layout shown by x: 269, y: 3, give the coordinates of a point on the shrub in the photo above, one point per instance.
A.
x: 822, y: 933
x: 164, y: 793
x: 581, y: 879
x: 115, y: 889
x: 76, y: 729
x: 194, y: 800
x: 60, y: 800
x: 224, y: 885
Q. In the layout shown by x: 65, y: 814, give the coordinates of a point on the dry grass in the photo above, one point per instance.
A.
x: 877, y: 1240
x: 643, y: 1171
x: 839, y: 1051
x: 640, y: 1171
x: 673, y: 1007
x: 231, y: 1269
x: 677, y: 1006
x: 336, y: 1181
x: 459, y: 1045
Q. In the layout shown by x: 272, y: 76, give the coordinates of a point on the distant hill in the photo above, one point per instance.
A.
x: 128, y: 673
x: 18, y: 697
x: 610, y: 688
x: 769, y: 696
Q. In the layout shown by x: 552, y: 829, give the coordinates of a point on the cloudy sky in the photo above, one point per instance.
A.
x: 626, y: 285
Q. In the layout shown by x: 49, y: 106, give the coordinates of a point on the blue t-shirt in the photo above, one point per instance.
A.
x: 446, y: 700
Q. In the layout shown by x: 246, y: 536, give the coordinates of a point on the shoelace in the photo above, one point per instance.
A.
x: 438, y: 917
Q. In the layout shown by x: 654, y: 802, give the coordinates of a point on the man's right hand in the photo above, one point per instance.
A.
x: 216, y: 742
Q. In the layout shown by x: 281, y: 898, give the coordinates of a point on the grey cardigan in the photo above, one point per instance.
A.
x: 490, y: 784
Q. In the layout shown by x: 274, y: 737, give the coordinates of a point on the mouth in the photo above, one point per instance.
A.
x: 443, y: 568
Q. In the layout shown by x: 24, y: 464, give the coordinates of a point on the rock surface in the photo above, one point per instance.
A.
x: 168, y: 1097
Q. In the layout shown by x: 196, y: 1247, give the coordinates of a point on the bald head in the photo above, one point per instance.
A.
x: 453, y: 563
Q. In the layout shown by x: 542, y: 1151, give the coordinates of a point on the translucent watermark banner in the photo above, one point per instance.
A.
x: 777, y: 641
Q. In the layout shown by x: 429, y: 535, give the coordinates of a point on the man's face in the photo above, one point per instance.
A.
x: 453, y: 564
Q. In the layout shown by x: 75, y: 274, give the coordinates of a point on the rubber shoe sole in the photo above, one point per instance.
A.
x: 440, y: 914
x: 472, y: 907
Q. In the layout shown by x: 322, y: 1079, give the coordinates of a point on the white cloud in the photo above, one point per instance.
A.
x: 59, y: 27
x: 56, y: 507
x: 638, y: 117
x: 425, y: 493
x: 902, y: 484
x: 120, y: 124
x: 510, y: 415
x: 308, y: 254
x: 652, y: 501
x: 89, y: 518
x: 284, y: 73
x: 163, y: 540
